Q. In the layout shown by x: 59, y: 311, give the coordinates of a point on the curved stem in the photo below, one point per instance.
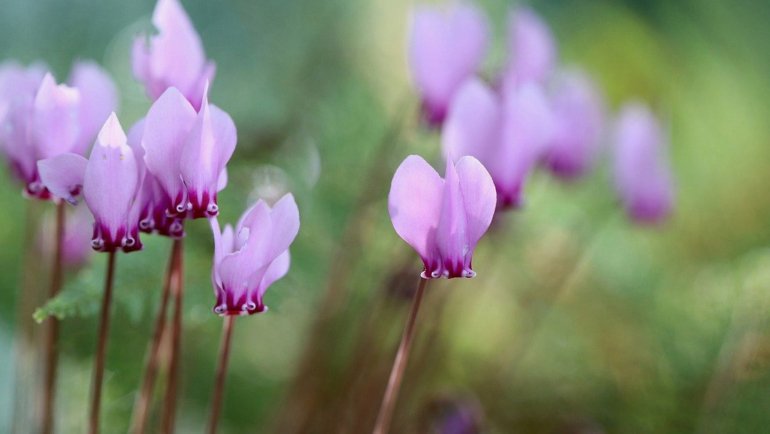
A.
x: 144, y: 399
x: 219, y: 384
x: 177, y: 291
x: 101, y: 347
x: 52, y: 333
x: 399, y: 365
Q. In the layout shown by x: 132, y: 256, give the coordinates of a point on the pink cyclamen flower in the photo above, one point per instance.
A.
x: 642, y: 174
x: 446, y: 46
x: 250, y: 258
x: 531, y: 48
x: 51, y: 119
x: 442, y: 219
x: 109, y: 181
x: 187, y: 152
x: 75, y: 243
x: 508, y: 133
x: 174, y: 57
x: 578, y: 109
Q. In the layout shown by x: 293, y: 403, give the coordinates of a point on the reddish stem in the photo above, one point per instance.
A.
x: 219, y: 384
x: 101, y: 347
x: 144, y: 399
x: 177, y: 291
x: 399, y: 365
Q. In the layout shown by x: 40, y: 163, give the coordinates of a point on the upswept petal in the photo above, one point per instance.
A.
x: 207, y: 149
x: 98, y: 98
x: 472, y: 126
x: 452, y: 229
x: 167, y: 126
x: 478, y: 196
x: 414, y: 204
x: 109, y: 187
x: 275, y: 271
x: 63, y: 175
x: 55, y: 120
x: 532, y: 49
x: 446, y: 46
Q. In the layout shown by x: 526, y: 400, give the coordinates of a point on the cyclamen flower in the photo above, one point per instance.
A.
x: 446, y: 46
x: 250, y: 258
x: 43, y: 119
x: 442, y: 219
x: 642, y: 174
x: 187, y: 152
x: 75, y: 241
x: 174, y: 57
x: 507, y: 133
x: 531, y: 49
x: 578, y: 111
x: 109, y: 182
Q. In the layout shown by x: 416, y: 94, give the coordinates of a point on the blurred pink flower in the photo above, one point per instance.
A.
x: 442, y: 219
x: 174, y: 57
x: 250, y: 258
x: 508, y: 133
x: 43, y: 119
x: 532, y: 51
x: 446, y: 46
x: 578, y: 109
x: 642, y: 174
x: 76, y: 249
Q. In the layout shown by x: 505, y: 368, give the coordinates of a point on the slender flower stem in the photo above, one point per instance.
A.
x: 177, y: 291
x: 144, y: 399
x: 52, y: 333
x: 399, y: 365
x: 101, y: 347
x: 219, y: 385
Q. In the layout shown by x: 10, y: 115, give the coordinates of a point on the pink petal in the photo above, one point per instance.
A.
x: 110, y: 185
x: 452, y: 230
x: 531, y: 46
x: 414, y: 204
x: 98, y: 98
x: 167, y: 125
x: 478, y: 196
x: 55, y: 121
x: 63, y: 175
x: 275, y: 271
x: 473, y: 124
x: 446, y: 46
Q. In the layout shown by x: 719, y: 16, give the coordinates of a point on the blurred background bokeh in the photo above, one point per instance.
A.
x: 578, y: 322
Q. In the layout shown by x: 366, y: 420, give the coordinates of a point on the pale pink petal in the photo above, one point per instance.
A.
x: 414, y: 204
x: 452, y: 228
x: 275, y: 271
x: 55, y: 119
x: 63, y: 175
x: 478, y: 196
x: 531, y: 48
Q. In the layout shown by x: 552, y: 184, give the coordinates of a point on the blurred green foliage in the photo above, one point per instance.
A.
x: 577, y: 321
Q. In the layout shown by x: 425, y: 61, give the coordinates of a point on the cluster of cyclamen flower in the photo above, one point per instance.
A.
x: 494, y: 135
x: 168, y: 169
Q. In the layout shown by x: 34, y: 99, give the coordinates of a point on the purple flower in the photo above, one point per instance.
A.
x: 174, y: 57
x: 250, y: 258
x: 642, y: 173
x: 109, y: 181
x: 43, y: 119
x: 442, y: 219
x: 578, y: 110
x: 531, y: 49
x: 507, y: 133
x: 187, y: 152
x: 446, y: 46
